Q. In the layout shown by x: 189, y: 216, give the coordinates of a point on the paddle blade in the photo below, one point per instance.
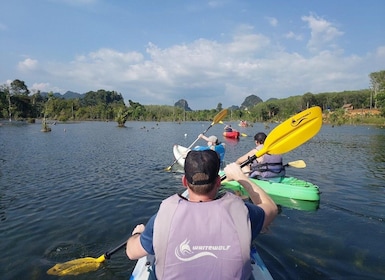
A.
x: 76, y: 267
x: 297, y: 164
x: 293, y: 132
x: 220, y: 116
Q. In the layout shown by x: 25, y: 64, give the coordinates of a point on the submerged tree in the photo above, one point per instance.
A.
x: 44, y: 126
x: 121, y: 117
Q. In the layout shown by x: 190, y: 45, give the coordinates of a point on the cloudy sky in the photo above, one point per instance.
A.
x: 207, y: 52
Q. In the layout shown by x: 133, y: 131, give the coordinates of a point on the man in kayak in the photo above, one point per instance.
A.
x: 212, y: 144
x: 207, y: 235
x: 266, y: 167
x: 228, y: 128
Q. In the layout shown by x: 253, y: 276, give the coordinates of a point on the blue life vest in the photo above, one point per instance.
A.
x: 209, y: 240
x: 220, y: 149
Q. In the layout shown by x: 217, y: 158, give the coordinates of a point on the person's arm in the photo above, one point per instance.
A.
x: 134, y: 248
x: 257, y: 195
x: 201, y: 136
x: 246, y: 156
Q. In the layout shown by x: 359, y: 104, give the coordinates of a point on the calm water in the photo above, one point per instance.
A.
x: 79, y: 191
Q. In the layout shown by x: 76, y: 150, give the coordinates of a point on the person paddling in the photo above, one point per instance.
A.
x: 213, y: 144
x: 207, y: 235
x: 266, y: 167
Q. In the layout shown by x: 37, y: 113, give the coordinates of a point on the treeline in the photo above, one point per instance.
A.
x: 17, y: 103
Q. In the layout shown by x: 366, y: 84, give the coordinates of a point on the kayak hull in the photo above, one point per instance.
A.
x: 289, y: 187
x: 144, y: 268
x: 180, y: 153
x: 231, y: 134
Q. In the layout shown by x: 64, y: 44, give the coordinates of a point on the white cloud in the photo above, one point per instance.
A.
x: 205, y: 72
x: 272, y: 21
x: 45, y: 87
x: 322, y: 33
x: 27, y: 64
x: 292, y: 35
x: 381, y: 52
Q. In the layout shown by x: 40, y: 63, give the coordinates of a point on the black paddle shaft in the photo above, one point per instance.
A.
x: 246, y: 162
x: 108, y: 254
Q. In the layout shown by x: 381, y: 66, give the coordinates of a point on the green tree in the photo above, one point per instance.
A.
x: 377, y: 81
x: 121, y: 117
x: 19, y: 87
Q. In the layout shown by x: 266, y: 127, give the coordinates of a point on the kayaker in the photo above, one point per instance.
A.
x: 228, y: 128
x: 208, y: 235
x: 213, y: 144
x: 266, y: 167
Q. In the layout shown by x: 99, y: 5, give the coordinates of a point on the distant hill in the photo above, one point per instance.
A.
x: 67, y: 95
x: 182, y: 103
x: 72, y: 95
x: 250, y: 101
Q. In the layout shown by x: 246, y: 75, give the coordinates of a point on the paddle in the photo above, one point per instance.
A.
x: 82, y: 265
x: 287, y: 136
x: 297, y: 164
x: 290, y: 134
x: 218, y: 118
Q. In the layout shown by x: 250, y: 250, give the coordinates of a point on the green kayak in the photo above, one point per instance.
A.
x: 289, y: 187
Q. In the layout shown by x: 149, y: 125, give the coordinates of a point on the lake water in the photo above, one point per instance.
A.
x: 80, y: 190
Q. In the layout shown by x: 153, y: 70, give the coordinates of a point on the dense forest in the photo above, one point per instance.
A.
x: 16, y: 103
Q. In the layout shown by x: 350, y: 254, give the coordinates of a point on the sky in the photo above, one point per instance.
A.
x: 206, y: 52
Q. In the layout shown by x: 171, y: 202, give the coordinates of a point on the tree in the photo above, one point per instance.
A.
x: 19, y: 87
x: 6, y: 92
x: 121, y: 117
x: 377, y: 81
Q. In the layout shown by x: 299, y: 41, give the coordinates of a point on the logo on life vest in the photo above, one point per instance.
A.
x: 185, y: 252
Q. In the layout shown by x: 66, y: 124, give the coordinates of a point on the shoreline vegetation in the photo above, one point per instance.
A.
x: 365, y: 106
x: 336, y: 118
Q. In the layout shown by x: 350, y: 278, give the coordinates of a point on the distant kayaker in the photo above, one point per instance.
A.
x: 228, y: 128
x: 208, y: 235
x: 213, y: 144
x: 269, y: 167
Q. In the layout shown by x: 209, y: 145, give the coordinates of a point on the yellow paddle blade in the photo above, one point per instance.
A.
x: 219, y: 117
x: 297, y: 164
x: 293, y: 132
x: 244, y: 134
x: 77, y: 266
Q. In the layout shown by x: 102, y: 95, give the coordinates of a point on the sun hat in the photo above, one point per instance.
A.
x: 201, y: 167
x: 213, y: 139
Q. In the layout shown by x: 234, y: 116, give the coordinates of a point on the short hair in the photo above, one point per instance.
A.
x: 260, y: 137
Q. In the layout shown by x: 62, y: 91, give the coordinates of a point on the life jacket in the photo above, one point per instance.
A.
x: 208, y: 240
x: 219, y: 148
x: 270, y: 167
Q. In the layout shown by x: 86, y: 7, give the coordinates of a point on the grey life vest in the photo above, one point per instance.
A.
x: 271, y: 166
x: 208, y: 240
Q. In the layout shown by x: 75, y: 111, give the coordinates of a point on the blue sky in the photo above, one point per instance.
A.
x: 207, y: 52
